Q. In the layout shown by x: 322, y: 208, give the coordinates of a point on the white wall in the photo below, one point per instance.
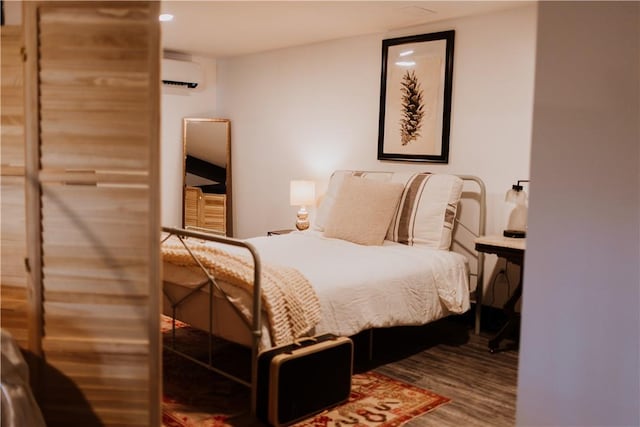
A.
x: 580, y: 337
x: 301, y: 113
x: 178, y: 103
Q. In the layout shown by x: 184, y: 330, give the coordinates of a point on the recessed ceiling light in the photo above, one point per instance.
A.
x: 165, y: 17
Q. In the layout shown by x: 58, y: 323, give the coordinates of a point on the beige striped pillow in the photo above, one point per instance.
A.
x: 427, y: 211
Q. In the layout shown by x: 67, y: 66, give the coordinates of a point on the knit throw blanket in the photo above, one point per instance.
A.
x: 291, y: 304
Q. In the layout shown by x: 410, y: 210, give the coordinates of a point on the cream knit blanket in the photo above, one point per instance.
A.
x: 291, y: 304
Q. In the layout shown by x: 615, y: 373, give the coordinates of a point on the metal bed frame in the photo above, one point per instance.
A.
x: 482, y: 219
x: 255, y: 326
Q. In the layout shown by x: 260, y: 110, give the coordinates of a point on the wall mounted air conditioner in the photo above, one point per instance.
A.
x: 177, y: 73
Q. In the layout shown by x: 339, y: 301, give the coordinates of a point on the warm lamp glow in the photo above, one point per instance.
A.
x: 302, y: 193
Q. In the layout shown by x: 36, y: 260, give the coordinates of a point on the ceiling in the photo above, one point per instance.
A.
x: 230, y: 28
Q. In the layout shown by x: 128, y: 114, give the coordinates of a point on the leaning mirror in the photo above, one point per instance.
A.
x: 207, y: 175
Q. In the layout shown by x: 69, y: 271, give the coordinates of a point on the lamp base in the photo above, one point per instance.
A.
x: 303, y: 220
x: 518, y: 234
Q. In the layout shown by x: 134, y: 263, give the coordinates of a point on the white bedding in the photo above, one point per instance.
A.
x: 361, y: 287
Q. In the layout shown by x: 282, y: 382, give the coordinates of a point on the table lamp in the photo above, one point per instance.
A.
x: 303, y: 194
x: 517, y: 199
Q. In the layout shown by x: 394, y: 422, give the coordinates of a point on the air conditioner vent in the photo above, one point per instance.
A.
x: 190, y: 85
x: 184, y: 74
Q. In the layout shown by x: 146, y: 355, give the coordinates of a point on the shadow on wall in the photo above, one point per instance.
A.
x: 61, y: 402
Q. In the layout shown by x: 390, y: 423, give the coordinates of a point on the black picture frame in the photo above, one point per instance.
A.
x: 415, y: 98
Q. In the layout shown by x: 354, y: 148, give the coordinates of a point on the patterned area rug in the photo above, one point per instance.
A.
x: 197, y: 397
x: 378, y: 400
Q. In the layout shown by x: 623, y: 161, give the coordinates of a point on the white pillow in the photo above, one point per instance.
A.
x: 362, y: 210
x: 427, y: 211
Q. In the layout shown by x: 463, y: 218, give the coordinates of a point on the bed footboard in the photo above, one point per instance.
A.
x: 255, y: 326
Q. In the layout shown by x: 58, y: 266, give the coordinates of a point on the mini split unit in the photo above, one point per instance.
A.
x: 184, y: 74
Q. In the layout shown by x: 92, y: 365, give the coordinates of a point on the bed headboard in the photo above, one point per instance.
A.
x: 443, y: 191
x: 471, y: 223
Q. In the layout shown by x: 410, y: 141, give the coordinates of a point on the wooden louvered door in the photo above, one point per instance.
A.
x: 93, y: 209
x: 13, y: 277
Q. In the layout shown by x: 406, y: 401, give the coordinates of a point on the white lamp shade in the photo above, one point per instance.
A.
x: 517, y: 197
x: 302, y: 193
x: 517, y: 201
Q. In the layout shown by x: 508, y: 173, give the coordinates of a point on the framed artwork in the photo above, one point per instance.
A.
x: 415, y: 98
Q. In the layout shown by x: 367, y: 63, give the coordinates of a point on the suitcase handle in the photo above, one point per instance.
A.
x: 301, y: 341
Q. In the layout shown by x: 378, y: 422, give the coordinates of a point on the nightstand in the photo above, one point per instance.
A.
x: 511, y: 249
x: 279, y: 232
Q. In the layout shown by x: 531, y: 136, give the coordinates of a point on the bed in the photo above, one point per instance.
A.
x: 378, y: 256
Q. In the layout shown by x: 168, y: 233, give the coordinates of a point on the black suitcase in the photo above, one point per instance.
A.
x: 299, y: 380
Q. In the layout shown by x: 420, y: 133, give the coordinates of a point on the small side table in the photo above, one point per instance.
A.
x: 279, y: 232
x: 512, y: 249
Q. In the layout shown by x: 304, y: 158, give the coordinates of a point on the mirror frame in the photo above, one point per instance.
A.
x: 228, y: 183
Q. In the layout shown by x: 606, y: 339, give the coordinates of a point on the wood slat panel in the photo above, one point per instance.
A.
x: 96, y: 350
x: 79, y: 310
x: 14, y: 312
x: 95, y: 298
x: 110, y: 383
x: 113, y: 14
x: 65, y: 75
x: 130, y: 179
x: 104, y: 327
x: 137, y: 370
x: 91, y: 328
x: 13, y: 229
x: 192, y: 201
x: 98, y: 279
x: 77, y: 123
x: 14, y: 308
x: 92, y: 204
x: 12, y: 99
x: 122, y: 416
x: 123, y: 152
x: 137, y: 397
x: 82, y: 37
x: 74, y: 139
x: 115, y: 98
x: 215, y: 212
x: 102, y: 287
x: 95, y: 51
x: 96, y: 359
x: 97, y: 100
x: 130, y: 59
x: 14, y: 300
x: 18, y: 328
x: 12, y: 171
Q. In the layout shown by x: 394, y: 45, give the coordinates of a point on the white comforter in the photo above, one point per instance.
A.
x: 361, y: 287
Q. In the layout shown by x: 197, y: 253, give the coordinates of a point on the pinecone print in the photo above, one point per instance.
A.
x: 412, y: 107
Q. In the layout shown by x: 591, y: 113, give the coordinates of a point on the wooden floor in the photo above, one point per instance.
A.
x: 444, y: 357
x: 448, y: 359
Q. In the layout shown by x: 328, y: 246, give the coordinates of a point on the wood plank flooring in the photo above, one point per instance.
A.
x: 448, y: 359
x: 444, y: 357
